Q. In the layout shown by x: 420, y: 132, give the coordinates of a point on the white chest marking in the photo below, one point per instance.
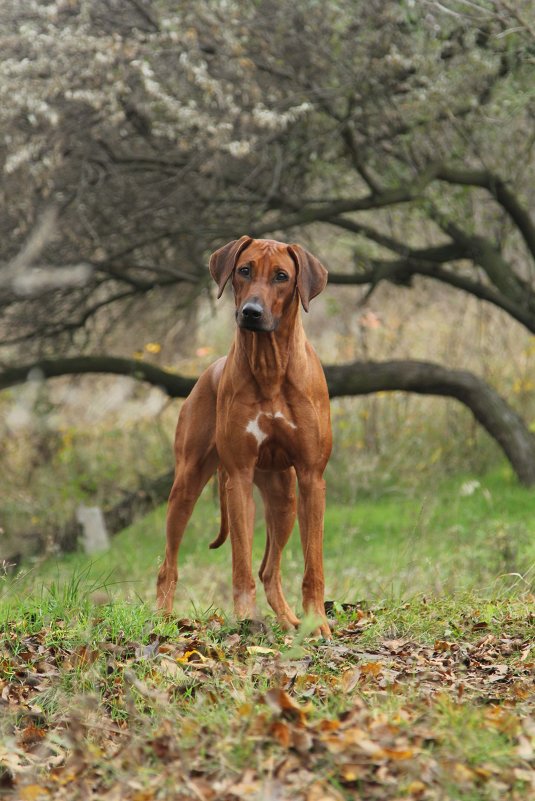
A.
x: 280, y: 416
x: 253, y: 428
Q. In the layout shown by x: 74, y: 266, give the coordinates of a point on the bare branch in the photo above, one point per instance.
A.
x: 500, y: 191
x: 38, y: 239
x: 175, y: 386
x: 386, y: 197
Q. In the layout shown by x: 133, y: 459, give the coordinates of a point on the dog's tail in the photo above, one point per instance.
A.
x: 223, y: 531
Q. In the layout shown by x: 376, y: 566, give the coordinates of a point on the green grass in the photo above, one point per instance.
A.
x: 436, y: 541
x: 424, y: 691
x: 129, y: 701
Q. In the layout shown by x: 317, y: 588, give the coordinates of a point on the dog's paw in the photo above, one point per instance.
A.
x: 288, y: 622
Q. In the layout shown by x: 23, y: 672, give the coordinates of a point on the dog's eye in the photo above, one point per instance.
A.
x: 245, y: 270
x: 281, y: 276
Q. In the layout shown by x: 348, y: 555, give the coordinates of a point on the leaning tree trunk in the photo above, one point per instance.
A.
x: 357, y: 378
x: 426, y: 378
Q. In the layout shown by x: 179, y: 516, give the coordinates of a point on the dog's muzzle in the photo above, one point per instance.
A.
x: 253, y: 316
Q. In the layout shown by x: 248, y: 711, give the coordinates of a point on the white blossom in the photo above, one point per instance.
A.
x: 239, y: 149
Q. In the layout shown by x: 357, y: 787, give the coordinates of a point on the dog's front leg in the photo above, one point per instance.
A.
x: 241, y: 522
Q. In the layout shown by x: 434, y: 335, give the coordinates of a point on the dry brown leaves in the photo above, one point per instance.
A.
x: 212, y: 714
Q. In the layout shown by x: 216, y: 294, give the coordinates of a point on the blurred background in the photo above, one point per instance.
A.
x: 395, y: 141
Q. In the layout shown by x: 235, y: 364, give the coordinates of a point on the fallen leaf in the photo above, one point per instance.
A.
x: 281, y: 702
x: 463, y: 774
x: 399, y: 754
x: 171, y: 669
x: 350, y: 772
x: 247, y: 787
x: 260, y: 649
x: 191, y: 656
x: 281, y: 732
x: 319, y: 792
x: 350, y: 679
x: 525, y: 748
x: 32, y: 792
x: 416, y: 788
x: 301, y: 740
x: 31, y: 734
x: 525, y: 775
x: 499, y: 673
x: 371, y: 668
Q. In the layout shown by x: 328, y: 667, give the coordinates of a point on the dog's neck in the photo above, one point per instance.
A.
x: 266, y: 355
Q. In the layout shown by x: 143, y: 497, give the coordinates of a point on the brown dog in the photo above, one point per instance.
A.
x: 260, y: 415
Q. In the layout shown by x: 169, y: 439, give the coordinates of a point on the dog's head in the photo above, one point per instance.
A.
x: 266, y: 278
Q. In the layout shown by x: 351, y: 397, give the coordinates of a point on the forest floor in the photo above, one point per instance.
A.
x: 425, y: 691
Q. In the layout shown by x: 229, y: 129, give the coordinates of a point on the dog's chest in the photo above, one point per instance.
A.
x: 272, y: 434
x: 269, y: 425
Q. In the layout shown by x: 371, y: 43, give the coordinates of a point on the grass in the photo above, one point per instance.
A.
x: 425, y: 691
x: 451, y: 538
x: 116, y: 698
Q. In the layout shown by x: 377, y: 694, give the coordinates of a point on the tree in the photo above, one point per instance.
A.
x: 357, y: 378
x: 163, y: 129
x: 360, y: 378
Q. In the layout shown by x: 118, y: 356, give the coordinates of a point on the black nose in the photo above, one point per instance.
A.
x: 252, y: 310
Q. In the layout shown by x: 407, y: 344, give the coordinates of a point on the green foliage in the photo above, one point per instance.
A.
x: 51, y: 467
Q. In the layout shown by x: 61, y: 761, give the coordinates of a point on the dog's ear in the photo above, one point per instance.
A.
x: 311, y: 274
x: 223, y: 261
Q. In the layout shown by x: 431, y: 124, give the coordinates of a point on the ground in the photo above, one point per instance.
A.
x: 425, y: 691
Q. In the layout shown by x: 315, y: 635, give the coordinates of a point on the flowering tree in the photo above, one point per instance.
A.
x: 133, y: 120
x: 147, y: 132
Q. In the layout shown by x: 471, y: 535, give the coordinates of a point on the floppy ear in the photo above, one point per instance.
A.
x: 223, y: 261
x: 311, y: 274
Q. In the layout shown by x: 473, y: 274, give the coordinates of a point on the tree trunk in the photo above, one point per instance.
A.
x: 356, y: 378
x: 426, y: 378
x: 133, y: 506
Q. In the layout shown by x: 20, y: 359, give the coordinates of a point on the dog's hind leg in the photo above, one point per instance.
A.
x: 188, y: 485
x: 279, y: 496
x: 196, y: 461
